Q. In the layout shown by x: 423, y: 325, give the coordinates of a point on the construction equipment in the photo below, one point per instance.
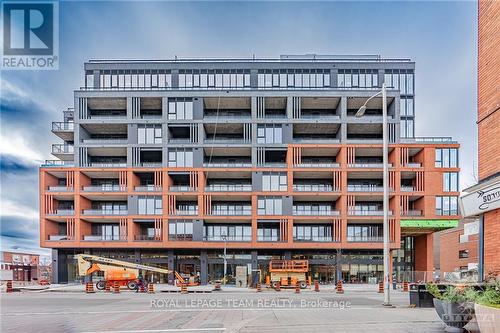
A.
x: 287, y: 273
x: 121, y: 273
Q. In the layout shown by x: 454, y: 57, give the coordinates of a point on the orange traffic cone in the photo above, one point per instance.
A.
x: 316, y: 286
x: 108, y: 287
x: 9, y: 287
x: 381, y: 287
x: 151, y: 288
x: 184, y: 289
x: 340, y: 289
x: 259, y: 288
x: 89, y: 288
x: 405, y: 286
x: 116, y: 288
x: 297, y: 288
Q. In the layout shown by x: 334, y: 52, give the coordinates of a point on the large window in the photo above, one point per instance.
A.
x: 446, y: 158
x: 312, y: 233
x: 227, y: 78
x: 180, y: 108
x: 180, y: 230
x: 357, y: 78
x: 446, y: 206
x: 133, y: 79
x: 400, y: 79
x: 106, y: 231
x: 151, y: 205
x: 407, y: 128
x: 364, y: 233
x: 274, y: 181
x: 180, y: 157
x: 149, y: 134
x: 270, y: 133
x: 268, y: 232
x: 235, y: 233
x: 450, y: 181
x: 270, y: 205
x: 299, y: 78
x: 406, y: 107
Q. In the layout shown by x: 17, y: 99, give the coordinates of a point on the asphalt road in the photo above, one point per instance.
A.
x: 213, y: 312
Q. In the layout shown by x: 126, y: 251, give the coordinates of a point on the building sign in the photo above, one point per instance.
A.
x: 482, y: 200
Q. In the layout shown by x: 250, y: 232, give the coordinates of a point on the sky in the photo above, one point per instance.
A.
x: 441, y: 37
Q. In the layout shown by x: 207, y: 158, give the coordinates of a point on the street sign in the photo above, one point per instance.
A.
x: 481, y: 200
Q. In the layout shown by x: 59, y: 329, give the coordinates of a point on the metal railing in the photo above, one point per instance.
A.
x: 312, y: 187
x: 222, y: 238
x: 149, y: 238
x: 313, y: 239
x: 227, y: 165
x: 180, y: 140
x: 228, y: 188
x: 105, y: 141
x: 102, y: 238
x: 429, y: 139
x: 365, y: 188
x: 108, y: 116
x: 181, y: 188
x: 413, y: 165
x: 228, y: 116
x: 226, y: 140
x: 411, y: 213
x: 151, y: 164
x: 105, y: 212
x: 148, y: 188
x: 231, y: 211
x: 363, y: 212
x: 186, y: 212
x: 367, y: 165
x: 62, y: 149
x: 57, y: 163
x: 61, y: 188
x: 316, y: 140
x: 104, y: 188
x: 317, y: 165
x: 63, y: 212
x: 363, y: 239
x: 303, y: 211
x: 318, y: 116
x: 107, y: 165
x: 63, y: 126
x: 407, y: 188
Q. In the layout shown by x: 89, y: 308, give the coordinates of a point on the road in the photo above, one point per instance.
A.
x: 248, y: 311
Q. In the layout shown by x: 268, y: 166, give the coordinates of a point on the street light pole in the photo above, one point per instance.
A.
x: 385, y: 160
x: 224, y: 238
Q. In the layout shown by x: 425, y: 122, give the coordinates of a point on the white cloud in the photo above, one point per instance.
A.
x: 15, y: 145
x: 14, y: 209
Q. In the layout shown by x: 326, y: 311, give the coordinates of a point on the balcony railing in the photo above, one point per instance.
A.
x: 105, y: 141
x: 312, y: 139
x: 58, y: 238
x: 365, y: 188
x: 63, y: 212
x: 429, y: 139
x: 407, y: 188
x: 59, y: 126
x: 181, y: 188
x: 107, y: 165
x: 319, y: 116
x: 226, y: 140
x: 180, y: 140
x: 227, y: 116
x: 411, y: 213
x: 231, y: 211
x: 221, y: 238
x: 313, y: 239
x: 312, y: 187
x: 227, y: 165
x: 312, y: 212
x: 367, y: 165
x: 95, y: 238
x: 147, y: 238
x: 317, y: 165
x: 365, y: 212
x: 186, y: 212
x: 104, y: 188
x: 61, y: 188
x: 228, y: 188
x: 62, y: 149
x: 413, y: 165
x: 151, y: 164
x: 148, y: 188
x: 105, y: 212
x: 363, y: 239
x: 58, y: 163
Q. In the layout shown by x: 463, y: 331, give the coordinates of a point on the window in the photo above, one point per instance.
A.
x: 269, y: 205
x: 357, y: 78
x: 149, y: 134
x: 364, y: 233
x: 463, y: 254
x: 106, y: 231
x: 180, y: 108
x: 446, y: 205
x: 150, y: 205
x: 274, y: 181
x: 180, y: 230
x: 179, y: 157
x: 300, y: 78
x: 270, y: 133
x: 312, y: 233
x: 450, y: 181
x: 400, y: 79
x: 236, y: 233
x: 446, y: 158
x: 406, y: 107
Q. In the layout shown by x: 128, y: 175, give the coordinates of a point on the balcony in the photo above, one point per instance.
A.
x: 407, y: 188
x: 105, y: 188
x: 411, y: 213
x: 227, y: 164
x: 229, y: 188
x: 310, y: 211
x: 367, y: 165
x: 231, y: 211
x: 365, y: 188
x: 226, y: 140
x: 230, y: 238
x: 105, y: 141
x: 107, y: 165
x: 413, y: 165
x: 317, y: 165
x: 365, y: 239
x: 147, y: 238
x: 60, y: 189
x: 98, y: 238
x: 313, y: 239
x: 151, y: 164
x: 312, y: 187
x: 148, y: 188
x: 315, y: 140
x: 63, y: 151
x: 105, y: 212
x: 366, y: 212
x: 186, y: 211
x: 58, y: 163
x: 181, y: 188
x: 63, y: 212
x: 58, y: 238
x: 60, y: 126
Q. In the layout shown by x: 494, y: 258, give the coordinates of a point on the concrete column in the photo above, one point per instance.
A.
x: 338, y: 258
x: 254, y: 260
x: 203, y: 267
x: 424, y: 263
x: 55, y: 266
x: 170, y: 266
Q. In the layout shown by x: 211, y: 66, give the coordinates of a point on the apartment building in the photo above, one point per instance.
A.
x: 169, y: 162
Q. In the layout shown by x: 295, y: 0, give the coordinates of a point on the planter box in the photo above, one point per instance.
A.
x: 488, y: 318
x: 454, y: 315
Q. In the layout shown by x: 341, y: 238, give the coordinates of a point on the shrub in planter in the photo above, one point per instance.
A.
x: 487, y: 308
x: 454, y: 306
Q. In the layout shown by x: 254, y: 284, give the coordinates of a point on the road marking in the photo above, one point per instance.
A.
x: 166, y: 330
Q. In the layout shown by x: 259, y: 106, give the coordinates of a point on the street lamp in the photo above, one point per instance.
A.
x: 385, y: 152
x: 224, y: 238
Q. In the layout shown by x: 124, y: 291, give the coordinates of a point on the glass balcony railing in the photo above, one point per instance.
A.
x: 366, y: 212
x: 186, y: 211
x: 307, y: 211
x: 181, y: 188
x: 413, y: 165
x: 104, y: 188
x: 60, y: 126
x: 222, y: 238
x: 306, y: 164
x: 148, y: 188
x: 407, y: 188
x: 228, y: 164
x: 60, y: 188
x: 147, y: 238
x: 63, y: 212
x: 108, y: 164
x: 105, y: 212
x: 58, y: 238
x: 313, y: 239
x: 365, y: 188
x: 228, y: 188
x: 62, y: 149
x: 226, y: 140
x: 365, y: 239
x: 368, y: 165
x: 231, y: 211
x: 102, y: 238
x: 312, y: 187
x: 57, y: 163
x: 411, y: 213
x: 105, y: 141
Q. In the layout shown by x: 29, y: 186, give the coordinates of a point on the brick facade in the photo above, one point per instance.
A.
x: 450, y: 246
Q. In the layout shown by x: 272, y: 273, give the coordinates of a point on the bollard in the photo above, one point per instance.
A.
x: 116, y: 287
x: 89, y: 288
x: 405, y: 286
x: 184, y: 289
x: 297, y: 287
x: 108, y: 287
x: 9, y: 287
x: 259, y: 288
x: 278, y: 287
x: 151, y: 288
x: 381, y: 287
x: 340, y: 288
x: 316, y: 286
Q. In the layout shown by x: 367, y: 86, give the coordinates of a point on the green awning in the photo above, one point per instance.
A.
x: 429, y: 224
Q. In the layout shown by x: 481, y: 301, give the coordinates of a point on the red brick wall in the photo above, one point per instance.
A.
x: 450, y: 246
x: 489, y: 88
x: 492, y: 242
x: 424, y: 255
